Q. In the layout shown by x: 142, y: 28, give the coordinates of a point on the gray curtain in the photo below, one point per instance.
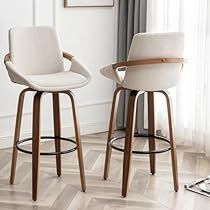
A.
x: 131, y: 20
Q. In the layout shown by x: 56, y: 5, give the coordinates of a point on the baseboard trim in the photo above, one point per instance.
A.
x: 88, y: 125
x: 82, y: 105
x: 68, y: 131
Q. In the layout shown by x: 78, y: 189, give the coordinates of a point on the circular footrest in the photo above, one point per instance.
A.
x: 114, y: 146
x: 19, y: 143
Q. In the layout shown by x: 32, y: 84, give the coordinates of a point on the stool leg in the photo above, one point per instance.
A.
x: 17, y: 134
x: 173, y: 146
x: 35, y: 143
x: 151, y: 130
x: 57, y: 130
x: 111, y: 130
x: 78, y: 141
x: 129, y: 133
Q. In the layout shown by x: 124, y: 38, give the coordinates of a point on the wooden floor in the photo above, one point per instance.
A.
x: 146, y: 192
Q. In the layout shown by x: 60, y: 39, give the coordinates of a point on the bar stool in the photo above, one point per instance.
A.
x: 36, y: 61
x: 154, y: 64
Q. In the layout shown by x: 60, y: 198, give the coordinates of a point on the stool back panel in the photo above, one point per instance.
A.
x: 35, y: 50
x: 154, y: 76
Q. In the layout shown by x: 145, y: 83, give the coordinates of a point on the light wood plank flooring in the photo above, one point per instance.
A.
x: 146, y: 192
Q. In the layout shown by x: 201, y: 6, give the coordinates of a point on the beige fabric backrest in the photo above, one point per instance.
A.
x: 35, y: 50
x: 154, y: 76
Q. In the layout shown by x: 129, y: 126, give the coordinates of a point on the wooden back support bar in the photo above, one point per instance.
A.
x: 6, y: 58
x: 148, y: 61
x: 67, y: 55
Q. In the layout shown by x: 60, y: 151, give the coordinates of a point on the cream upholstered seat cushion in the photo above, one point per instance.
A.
x: 150, y: 77
x: 58, y: 81
x: 36, y: 61
x: 76, y: 77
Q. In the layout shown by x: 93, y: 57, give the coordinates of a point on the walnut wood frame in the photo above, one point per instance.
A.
x: 147, y: 62
x: 36, y: 137
x: 6, y: 58
x: 130, y: 125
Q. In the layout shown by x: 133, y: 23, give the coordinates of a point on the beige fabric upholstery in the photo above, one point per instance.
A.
x: 57, y: 81
x: 36, y: 61
x: 35, y: 50
x: 151, y: 77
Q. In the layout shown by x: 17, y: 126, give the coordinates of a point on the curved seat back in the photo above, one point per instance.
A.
x: 152, y: 77
x: 35, y: 50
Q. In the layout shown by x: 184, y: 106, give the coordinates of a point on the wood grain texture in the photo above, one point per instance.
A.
x: 17, y: 134
x: 35, y: 144
x: 68, y: 56
x: 78, y: 140
x: 112, y: 123
x: 57, y: 130
x: 129, y: 134
x: 171, y: 137
x: 148, y: 61
x: 151, y: 129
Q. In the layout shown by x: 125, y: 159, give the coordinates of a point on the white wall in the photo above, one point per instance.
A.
x: 87, y: 33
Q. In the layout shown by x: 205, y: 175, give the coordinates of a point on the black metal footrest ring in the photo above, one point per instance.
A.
x: 113, y: 145
x: 19, y: 143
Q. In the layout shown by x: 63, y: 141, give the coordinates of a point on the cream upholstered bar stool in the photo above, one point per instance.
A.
x: 35, y: 60
x: 154, y: 64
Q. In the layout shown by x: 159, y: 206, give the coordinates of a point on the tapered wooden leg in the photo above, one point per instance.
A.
x: 57, y: 130
x: 173, y: 146
x: 35, y: 144
x: 129, y: 133
x: 17, y: 134
x: 151, y: 130
x: 111, y: 130
x: 78, y: 141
